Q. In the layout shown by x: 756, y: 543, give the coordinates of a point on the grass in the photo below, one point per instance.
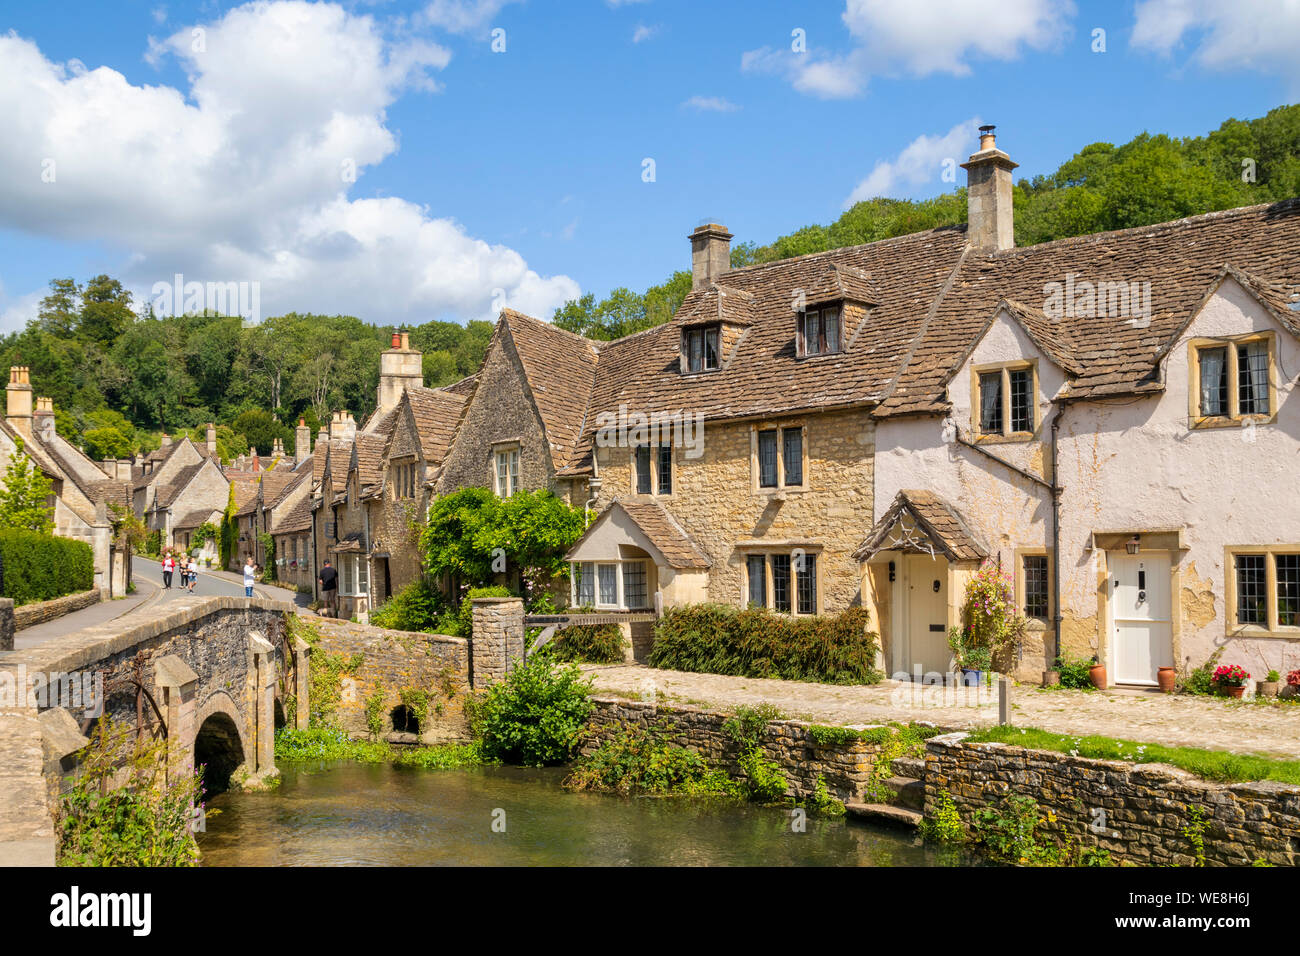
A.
x: 1218, y: 765
x: 326, y: 744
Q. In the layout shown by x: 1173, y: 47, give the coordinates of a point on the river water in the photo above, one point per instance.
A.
x: 349, y: 814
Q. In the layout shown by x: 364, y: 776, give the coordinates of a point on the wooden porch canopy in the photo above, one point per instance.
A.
x: 920, y: 522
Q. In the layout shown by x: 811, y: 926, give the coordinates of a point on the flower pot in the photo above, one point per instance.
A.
x: 1167, y: 677
x: 1268, y: 688
x: 1234, y: 692
x: 1097, y: 674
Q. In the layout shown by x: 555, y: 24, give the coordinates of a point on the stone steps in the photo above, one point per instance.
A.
x: 908, y: 792
x: 885, y: 813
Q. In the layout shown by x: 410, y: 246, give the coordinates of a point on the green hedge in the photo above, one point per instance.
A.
x: 589, y: 644
x: 39, y: 567
x: 720, y: 639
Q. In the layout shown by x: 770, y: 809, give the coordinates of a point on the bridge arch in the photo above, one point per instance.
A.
x: 220, y: 741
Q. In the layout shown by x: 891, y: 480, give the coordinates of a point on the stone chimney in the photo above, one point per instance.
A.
x: 990, y: 225
x: 43, y: 420
x: 212, y: 440
x: 400, y: 367
x: 257, y: 460
x: 323, y: 436
x: 166, y: 440
x: 710, y: 254
x: 343, y: 427
x: 123, y: 469
x: 302, y: 441
x: 18, y: 399
x: 277, y: 448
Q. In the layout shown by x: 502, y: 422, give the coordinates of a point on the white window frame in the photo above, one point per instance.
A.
x: 507, y: 484
x: 578, y: 570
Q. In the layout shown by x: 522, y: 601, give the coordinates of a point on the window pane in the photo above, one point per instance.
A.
x: 503, y: 475
x: 608, y: 583
x: 767, y: 459
x: 665, y: 469
x: 643, y: 469
x: 757, y: 565
x: 634, y: 586
x: 1022, y: 413
x: 1036, y: 585
x: 806, y: 574
x: 695, y: 346
x: 781, y: 582
x: 1288, y: 590
x: 792, y: 453
x: 1214, y: 381
x: 991, y: 403
x: 711, y: 348
x: 586, y: 584
x: 514, y: 472
x: 812, y: 333
x: 831, y: 329
x: 1251, y: 598
x: 1252, y: 375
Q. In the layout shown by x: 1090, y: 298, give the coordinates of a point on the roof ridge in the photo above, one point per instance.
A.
x: 839, y: 250
x: 551, y: 326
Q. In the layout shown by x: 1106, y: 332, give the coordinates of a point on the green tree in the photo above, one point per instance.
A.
x: 25, y: 495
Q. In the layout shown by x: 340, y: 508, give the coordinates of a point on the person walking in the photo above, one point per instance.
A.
x: 194, y: 573
x: 329, y: 589
x: 168, y: 568
x: 250, y: 575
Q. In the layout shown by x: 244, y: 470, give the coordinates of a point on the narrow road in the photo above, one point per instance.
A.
x: 148, y: 571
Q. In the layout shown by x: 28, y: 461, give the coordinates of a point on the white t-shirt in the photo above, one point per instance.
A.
x: 248, y: 575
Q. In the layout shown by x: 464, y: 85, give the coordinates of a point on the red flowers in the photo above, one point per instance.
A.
x: 1233, y: 675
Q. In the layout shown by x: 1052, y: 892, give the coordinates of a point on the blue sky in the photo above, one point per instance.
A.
x: 516, y: 177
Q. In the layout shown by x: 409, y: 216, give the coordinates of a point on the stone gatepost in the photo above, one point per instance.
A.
x: 497, y: 643
x: 6, y: 624
x: 176, y: 683
x: 302, y: 683
x: 263, y: 711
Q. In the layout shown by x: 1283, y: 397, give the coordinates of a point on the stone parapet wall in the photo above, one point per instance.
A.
x: 846, y: 769
x: 30, y: 615
x: 393, y: 661
x: 1136, y: 812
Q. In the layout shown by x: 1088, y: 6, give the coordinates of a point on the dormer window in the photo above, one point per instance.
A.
x: 820, y: 331
x: 701, y: 348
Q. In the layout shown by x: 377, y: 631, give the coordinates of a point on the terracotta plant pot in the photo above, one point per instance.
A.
x: 1235, y: 692
x: 1167, y: 678
x: 1097, y: 674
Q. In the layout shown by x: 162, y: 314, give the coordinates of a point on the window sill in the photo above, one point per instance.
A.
x: 704, y: 371
x: 1252, y: 631
x: 1036, y: 624
x: 774, y: 492
x: 1014, y: 438
x: 813, y: 356
x: 1225, y: 421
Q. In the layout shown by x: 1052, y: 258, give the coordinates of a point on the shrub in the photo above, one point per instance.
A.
x: 639, y: 760
x: 720, y: 639
x: 1074, y: 674
x: 589, y: 643
x: 416, y: 607
x: 536, y: 715
x: 40, y: 567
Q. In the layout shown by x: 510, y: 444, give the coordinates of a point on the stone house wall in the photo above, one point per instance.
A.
x: 715, y: 499
x: 1137, y: 813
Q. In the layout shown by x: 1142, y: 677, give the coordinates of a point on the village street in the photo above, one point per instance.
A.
x: 1173, y: 720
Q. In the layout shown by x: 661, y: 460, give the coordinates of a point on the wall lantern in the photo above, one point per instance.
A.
x: 1133, y: 544
x: 937, y: 585
x: 891, y: 571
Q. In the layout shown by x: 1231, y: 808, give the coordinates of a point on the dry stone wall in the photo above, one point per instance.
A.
x: 30, y: 615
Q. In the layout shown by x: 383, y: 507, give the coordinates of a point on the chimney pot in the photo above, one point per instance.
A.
x: 397, y: 339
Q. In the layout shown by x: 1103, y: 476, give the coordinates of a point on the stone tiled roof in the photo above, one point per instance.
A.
x: 436, y: 412
x: 841, y: 282
x: 195, y: 518
x: 941, y: 524
x: 369, y: 450
x: 560, y: 368
x: 672, y: 540
x: 464, y: 387
x: 717, y: 303
x: 297, y: 521
x: 1113, y: 355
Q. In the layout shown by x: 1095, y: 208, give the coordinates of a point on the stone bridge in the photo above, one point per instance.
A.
x: 215, y: 676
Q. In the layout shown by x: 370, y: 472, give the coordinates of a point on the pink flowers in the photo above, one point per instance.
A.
x: 1293, y: 678
x: 1233, y: 675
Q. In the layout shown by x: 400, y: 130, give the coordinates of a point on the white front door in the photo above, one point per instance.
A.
x: 1141, y: 616
x: 927, y: 613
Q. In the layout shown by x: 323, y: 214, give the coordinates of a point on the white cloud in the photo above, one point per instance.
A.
x: 917, y: 37
x: 1225, y: 34
x: 921, y: 161
x: 711, y: 104
x: 243, y: 176
x: 460, y: 16
x: 643, y: 32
